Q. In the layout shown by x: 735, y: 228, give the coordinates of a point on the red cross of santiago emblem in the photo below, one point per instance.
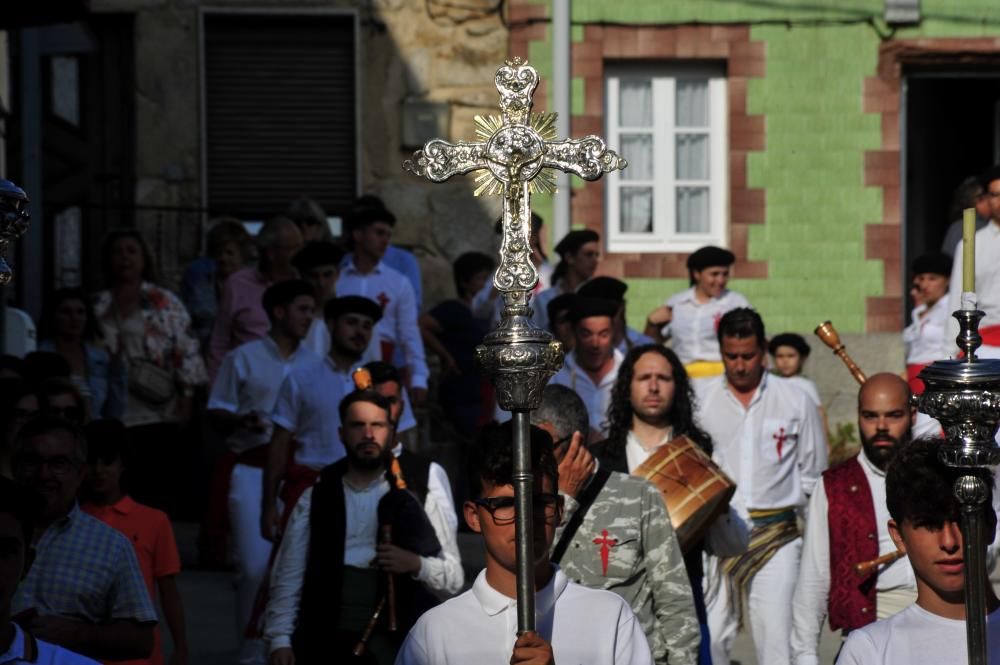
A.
x: 780, y: 437
x: 383, y: 300
x: 606, y: 545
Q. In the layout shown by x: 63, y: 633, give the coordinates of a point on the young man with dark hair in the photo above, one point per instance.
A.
x: 768, y: 438
x: 240, y: 406
x: 303, y: 412
x: 84, y: 591
x: 365, y: 274
x: 574, y: 624
x: 148, y: 529
x: 19, y: 514
x: 847, y: 523
x: 924, y: 525
x: 616, y: 535
x: 323, y: 587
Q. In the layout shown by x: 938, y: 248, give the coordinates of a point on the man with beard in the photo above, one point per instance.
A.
x: 306, y: 409
x: 768, y: 438
x: 847, y: 524
x: 324, y: 586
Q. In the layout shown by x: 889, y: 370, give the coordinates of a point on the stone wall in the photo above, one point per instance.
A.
x: 409, y: 50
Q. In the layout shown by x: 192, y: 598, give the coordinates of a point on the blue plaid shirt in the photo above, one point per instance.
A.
x: 83, y: 568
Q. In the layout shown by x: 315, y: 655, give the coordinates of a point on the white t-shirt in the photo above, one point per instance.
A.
x: 916, y: 637
x: 479, y: 627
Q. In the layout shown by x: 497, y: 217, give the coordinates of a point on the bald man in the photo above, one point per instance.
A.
x: 847, y: 524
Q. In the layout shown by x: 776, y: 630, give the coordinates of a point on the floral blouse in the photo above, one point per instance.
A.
x: 167, y: 341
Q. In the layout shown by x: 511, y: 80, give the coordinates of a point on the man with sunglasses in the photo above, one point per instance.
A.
x: 616, y: 535
x: 574, y: 624
x: 85, y: 591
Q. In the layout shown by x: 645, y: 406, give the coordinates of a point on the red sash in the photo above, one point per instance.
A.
x: 990, y: 335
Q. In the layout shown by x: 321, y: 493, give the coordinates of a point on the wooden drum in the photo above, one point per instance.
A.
x: 694, y: 488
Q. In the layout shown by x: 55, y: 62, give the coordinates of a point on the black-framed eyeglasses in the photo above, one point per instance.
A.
x: 501, y: 508
x: 31, y: 464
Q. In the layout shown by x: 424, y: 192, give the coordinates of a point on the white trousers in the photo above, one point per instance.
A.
x: 250, y: 554
x: 768, y: 613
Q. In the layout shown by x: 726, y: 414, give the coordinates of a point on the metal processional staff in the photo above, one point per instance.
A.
x: 516, y: 156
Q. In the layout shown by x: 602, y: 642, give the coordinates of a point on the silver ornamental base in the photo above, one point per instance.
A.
x: 964, y: 396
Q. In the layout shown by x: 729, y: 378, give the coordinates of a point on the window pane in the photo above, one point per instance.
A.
x: 692, y: 210
x: 692, y: 103
x: 638, y: 150
x: 66, y: 89
x: 635, y: 102
x: 692, y: 157
x: 636, y: 209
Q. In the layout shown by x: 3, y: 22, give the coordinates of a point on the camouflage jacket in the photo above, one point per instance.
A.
x: 626, y: 544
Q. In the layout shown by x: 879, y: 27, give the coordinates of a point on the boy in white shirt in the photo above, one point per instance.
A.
x: 574, y: 624
x: 925, y: 527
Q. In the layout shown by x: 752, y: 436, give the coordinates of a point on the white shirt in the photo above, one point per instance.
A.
x: 808, y: 387
x: 248, y: 380
x: 775, y: 450
x: 398, y: 326
x: 813, y: 588
x: 987, y: 284
x: 925, y: 336
x: 635, y: 454
x: 632, y: 339
x: 693, y: 324
x: 479, y: 627
x: 441, y: 574
x: 484, y: 306
x: 596, y: 397
x: 917, y: 637
x: 307, y: 406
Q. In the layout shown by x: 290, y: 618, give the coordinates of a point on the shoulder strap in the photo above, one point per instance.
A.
x: 585, y: 501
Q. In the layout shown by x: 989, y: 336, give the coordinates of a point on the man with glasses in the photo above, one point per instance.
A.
x: 616, y: 535
x: 324, y: 587
x: 574, y: 624
x: 987, y: 276
x: 84, y: 591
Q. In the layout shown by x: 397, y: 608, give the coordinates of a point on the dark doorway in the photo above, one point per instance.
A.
x: 951, y: 133
x: 76, y: 136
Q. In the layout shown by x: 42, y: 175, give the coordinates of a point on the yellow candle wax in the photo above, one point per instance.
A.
x: 969, y: 250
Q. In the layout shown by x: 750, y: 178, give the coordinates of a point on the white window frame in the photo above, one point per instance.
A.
x: 664, y: 237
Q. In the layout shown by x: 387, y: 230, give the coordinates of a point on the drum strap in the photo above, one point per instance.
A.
x: 586, y: 500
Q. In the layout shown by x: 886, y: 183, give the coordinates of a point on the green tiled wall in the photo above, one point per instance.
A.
x: 812, y: 168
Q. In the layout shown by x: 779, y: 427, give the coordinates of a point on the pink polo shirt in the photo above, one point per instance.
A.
x: 240, y: 318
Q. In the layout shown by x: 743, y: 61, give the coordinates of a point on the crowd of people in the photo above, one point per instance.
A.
x: 307, y: 356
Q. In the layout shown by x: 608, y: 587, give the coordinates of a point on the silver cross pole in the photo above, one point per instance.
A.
x: 516, y: 155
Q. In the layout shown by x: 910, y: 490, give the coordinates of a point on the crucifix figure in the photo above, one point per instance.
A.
x: 516, y: 155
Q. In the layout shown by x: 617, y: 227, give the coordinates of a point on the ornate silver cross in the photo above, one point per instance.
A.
x: 516, y: 153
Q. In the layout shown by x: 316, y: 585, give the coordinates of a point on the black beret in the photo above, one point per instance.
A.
x: 793, y: 340
x: 562, y: 302
x: 584, y: 308
x: 574, y: 240
x: 608, y: 288
x: 352, y: 305
x: 318, y: 253
x: 710, y: 257
x: 938, y: 263
x: 988, y: 176
x: 367, y: 210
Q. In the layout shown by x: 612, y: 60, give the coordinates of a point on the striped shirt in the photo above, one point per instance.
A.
x: 84, y: 568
